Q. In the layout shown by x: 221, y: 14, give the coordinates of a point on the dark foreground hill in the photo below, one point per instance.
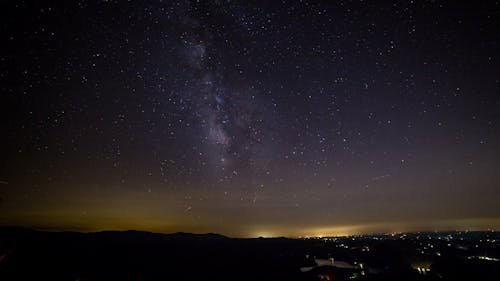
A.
x: 133, y: 255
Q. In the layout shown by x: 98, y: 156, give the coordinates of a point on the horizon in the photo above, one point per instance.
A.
x: 342, y: 231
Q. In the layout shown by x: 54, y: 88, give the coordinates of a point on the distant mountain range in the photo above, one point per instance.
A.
x: 10, y: 230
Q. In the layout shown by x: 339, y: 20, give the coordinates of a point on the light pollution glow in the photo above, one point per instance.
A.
x: 95, y: 223
x: 88, y: 210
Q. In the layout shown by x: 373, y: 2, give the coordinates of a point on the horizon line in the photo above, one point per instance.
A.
x: 374, y: 233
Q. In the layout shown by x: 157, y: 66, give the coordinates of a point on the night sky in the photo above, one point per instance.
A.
x: 250, y: 118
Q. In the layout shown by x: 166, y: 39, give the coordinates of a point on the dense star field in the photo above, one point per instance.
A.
x: 250, y: 118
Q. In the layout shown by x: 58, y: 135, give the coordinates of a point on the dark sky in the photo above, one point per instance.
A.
x: 250, y: 118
